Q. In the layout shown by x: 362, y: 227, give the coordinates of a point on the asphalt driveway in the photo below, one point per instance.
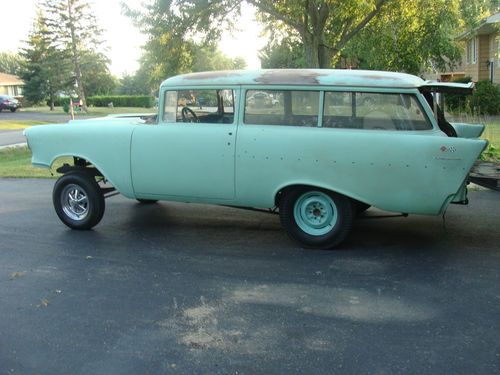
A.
x: 196, y: 289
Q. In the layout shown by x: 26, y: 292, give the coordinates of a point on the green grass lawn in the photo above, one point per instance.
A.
x: 16, y: 162
x: 18, y: 124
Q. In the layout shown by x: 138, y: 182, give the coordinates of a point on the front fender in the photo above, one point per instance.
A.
x: 106, y: 147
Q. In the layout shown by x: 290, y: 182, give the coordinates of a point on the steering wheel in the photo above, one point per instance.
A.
x: 185, y: 118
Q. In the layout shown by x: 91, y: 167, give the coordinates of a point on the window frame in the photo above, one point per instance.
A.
x: 163, y: 92
x: 246, y: 88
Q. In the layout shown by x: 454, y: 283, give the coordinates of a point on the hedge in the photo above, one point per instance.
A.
x: 117, y: 100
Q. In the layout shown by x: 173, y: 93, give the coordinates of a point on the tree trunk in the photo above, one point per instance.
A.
x: 311, y: 50
x: 76, y: 58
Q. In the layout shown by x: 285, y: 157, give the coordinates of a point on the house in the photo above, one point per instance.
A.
x: 11, y: 85
x: 481, y: 50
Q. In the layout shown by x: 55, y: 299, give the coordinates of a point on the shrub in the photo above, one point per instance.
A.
x: 117, y: 100
x: 121, y: 101
x: 456, y: 102
x: 486, y: 98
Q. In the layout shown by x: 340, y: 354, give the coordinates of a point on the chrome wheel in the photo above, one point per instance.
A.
x: 75, y: 202
x: 315, y: 213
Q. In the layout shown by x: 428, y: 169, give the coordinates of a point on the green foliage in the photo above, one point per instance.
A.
x: 492, y: 153
x: 456, y: 102
x: 285, y: 54
x: 46, y: 69
x: 136, y: 84
x: 322, y: 26
x: 10, y: 63
x: 122, y: 101
x: 96, y: 78
x: 72, y: 30
x: 412, y: 37
x: 486, y: 99
x: 140, y: 101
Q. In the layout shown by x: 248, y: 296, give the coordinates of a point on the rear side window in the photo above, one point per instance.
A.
x: 281, y: 107
x: 373, y: 111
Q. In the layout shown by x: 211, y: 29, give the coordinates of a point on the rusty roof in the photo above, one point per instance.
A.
x: 10, y: 80
x: 312, y: 77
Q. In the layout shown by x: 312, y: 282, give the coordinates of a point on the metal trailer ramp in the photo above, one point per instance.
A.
x: 486, y: 174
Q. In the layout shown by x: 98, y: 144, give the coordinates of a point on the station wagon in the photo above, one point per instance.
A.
x: 316, y: 146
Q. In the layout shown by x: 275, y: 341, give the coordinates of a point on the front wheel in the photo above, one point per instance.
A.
x: 78, y: 200
x: 13, y: 110
x: 316, y: 218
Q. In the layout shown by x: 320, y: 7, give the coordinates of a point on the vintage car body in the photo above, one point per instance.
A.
x: 240, y: 162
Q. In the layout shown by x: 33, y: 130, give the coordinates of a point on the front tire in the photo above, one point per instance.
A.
x: 78, y: 200
x: 316, y: 218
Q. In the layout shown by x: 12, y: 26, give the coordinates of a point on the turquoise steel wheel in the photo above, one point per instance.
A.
x: 315, y: 217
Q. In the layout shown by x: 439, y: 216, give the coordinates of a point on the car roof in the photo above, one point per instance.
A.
x: 312, y: 77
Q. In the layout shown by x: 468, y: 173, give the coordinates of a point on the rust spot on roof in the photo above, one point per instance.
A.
x: 290, y: 77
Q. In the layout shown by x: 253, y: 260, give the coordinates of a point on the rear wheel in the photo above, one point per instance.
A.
x: 78, y: 200
x: 13, y: 109
x: 315, y: 217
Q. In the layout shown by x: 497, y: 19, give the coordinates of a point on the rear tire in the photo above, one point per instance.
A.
x: 316, y: 218
x: 13, y: 110
x: 78, y: 200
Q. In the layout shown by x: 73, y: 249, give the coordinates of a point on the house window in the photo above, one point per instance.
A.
x: 472, y: 51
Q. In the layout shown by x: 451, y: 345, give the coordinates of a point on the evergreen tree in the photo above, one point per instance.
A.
x: 73, y: 29
x: 45, y: 70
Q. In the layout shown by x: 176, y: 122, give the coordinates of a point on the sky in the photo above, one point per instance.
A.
x: 123, y: 39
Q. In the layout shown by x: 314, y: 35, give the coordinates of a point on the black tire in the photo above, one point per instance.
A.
x: 361, y: 207
x: 316, y: 218
x: 147, y: 201
x: 68, y: 191
x: 13, y: 110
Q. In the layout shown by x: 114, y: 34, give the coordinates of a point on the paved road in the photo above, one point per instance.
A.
x: 35, y: 116
x: 194, y: 289
x: 11, y: 137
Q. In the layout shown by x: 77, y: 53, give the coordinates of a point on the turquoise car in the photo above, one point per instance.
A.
x: 316, y: 146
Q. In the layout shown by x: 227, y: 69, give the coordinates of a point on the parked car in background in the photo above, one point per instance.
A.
x: 9, y: 102
x: 336, y: 143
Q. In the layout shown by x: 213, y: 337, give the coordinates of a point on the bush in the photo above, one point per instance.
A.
x: 486, y: 98
x: 117, y: 100
x: 455, y: 102
x: 121, y: 101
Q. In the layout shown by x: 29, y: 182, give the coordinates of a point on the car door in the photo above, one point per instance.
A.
x: 195, y: 160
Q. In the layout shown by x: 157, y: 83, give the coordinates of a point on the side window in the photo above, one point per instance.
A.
x: 374, y: 111
x: 204, y: 106
x: 281, y: 107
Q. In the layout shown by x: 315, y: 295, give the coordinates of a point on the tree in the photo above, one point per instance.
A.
x: 285, y: 53
x: 10, y: 63
x: 96, y: 78
x: 323, y: 27
x: 45, y: 69
x: 73, y: 29
x: 412, y: 37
